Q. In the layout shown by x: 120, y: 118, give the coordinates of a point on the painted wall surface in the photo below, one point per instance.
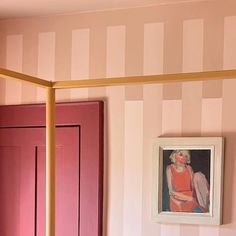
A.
x: 154, y: 40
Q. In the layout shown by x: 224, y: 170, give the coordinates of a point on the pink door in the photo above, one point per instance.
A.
x: 78, y: 170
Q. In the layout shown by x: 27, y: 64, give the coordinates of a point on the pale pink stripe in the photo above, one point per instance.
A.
x: 153, y: 48
x: 46, y: 60
x: 192, y: 91
x: 80, y: 61
x: 133, y: 173
x: 115, y: 56
x: 115, y: 62
x: 80, y: 54
x: 171, y: 117
x: 191, y: 126
x: 170, y: 230
x: 62, y: 59
x: 211, y: 126
x: 97, y: 59
x: 14, y: 60
x: 192, y: 45
x: 192, y: 105
x: 171, y: 125
x: 207, y: 230
x: 229, y: 42
x: 114, y: 178
x: 211, y: 116
x: 30, y: 52
x: 152, y: 115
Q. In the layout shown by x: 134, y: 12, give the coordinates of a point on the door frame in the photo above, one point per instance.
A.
x: 89, y: 117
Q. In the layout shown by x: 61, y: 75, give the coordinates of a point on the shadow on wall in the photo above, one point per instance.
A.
x: 229, y: 163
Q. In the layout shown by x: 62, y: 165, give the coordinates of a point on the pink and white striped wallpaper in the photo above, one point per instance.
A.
x: 172, y: 38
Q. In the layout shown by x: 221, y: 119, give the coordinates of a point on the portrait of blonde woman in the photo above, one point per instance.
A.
x: 187, y: 183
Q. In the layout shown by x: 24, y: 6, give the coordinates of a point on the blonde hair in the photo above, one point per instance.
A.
x: 185, y: 153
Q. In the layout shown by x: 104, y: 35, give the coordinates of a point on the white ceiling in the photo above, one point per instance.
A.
x: 25, y: 8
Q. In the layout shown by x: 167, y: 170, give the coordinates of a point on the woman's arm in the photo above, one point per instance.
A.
x: 169, y: 180
x: 182, y: 196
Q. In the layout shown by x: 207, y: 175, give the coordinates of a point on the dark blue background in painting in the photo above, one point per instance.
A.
x: 200, y: 161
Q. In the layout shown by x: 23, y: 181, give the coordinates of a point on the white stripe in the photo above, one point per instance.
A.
x: 132, y: 209
x: 116, y: 160
x: 80, y: 60
x: 115, y: 58
x: 211, y: 116
x: 169, y: 229
x: 172, y: 117
x: 192, y: 45
x: 153, y: 48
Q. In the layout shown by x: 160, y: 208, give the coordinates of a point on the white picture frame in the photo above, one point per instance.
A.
x: 205, y: 167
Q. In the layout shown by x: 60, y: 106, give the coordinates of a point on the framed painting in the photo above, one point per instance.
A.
x: 187, y: 180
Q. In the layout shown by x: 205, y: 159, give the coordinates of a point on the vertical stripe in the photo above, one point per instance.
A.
x: 171, y: 125
x: 132, y: 209
x: 192, y: 108
x: 30, y: 52
x: 134, y: 57
x: 80, y: 60
x: 207, y: 230
x: 115, y: 59
x: 192, y: 45
x: 134, y: 48
x: 211, y: 125
x: 213, y: 42
x: 115, y: 175
x: 191, y: 126
x: 213, y: 52
x: 171, y: 117
x: 152, y: 119
x: 212, y: 89
x: 173, y: 45
x: 46, y: 60
x: 63, y: 58
x: 14, y: 62
x: 97, y: 58
x: 192, y: 91
x: 153, y: 48
x: 168, y: 229
x: 172, y: 91
x: 229, y: 43
x: 115, y: 62
x: 211, y: 116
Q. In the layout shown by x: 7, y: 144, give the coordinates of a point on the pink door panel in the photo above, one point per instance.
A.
x: 17, y: 182
x: 79, y: 169
x: 67, y: 183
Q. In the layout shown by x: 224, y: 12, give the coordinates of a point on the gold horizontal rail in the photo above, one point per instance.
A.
x: 180, y: 77
x: 8, y: 74
x: 149, y: 79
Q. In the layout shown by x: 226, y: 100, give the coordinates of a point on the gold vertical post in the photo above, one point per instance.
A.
x: 50, y: 162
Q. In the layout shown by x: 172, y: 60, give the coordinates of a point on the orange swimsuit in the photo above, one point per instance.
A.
x: 181, y: 182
